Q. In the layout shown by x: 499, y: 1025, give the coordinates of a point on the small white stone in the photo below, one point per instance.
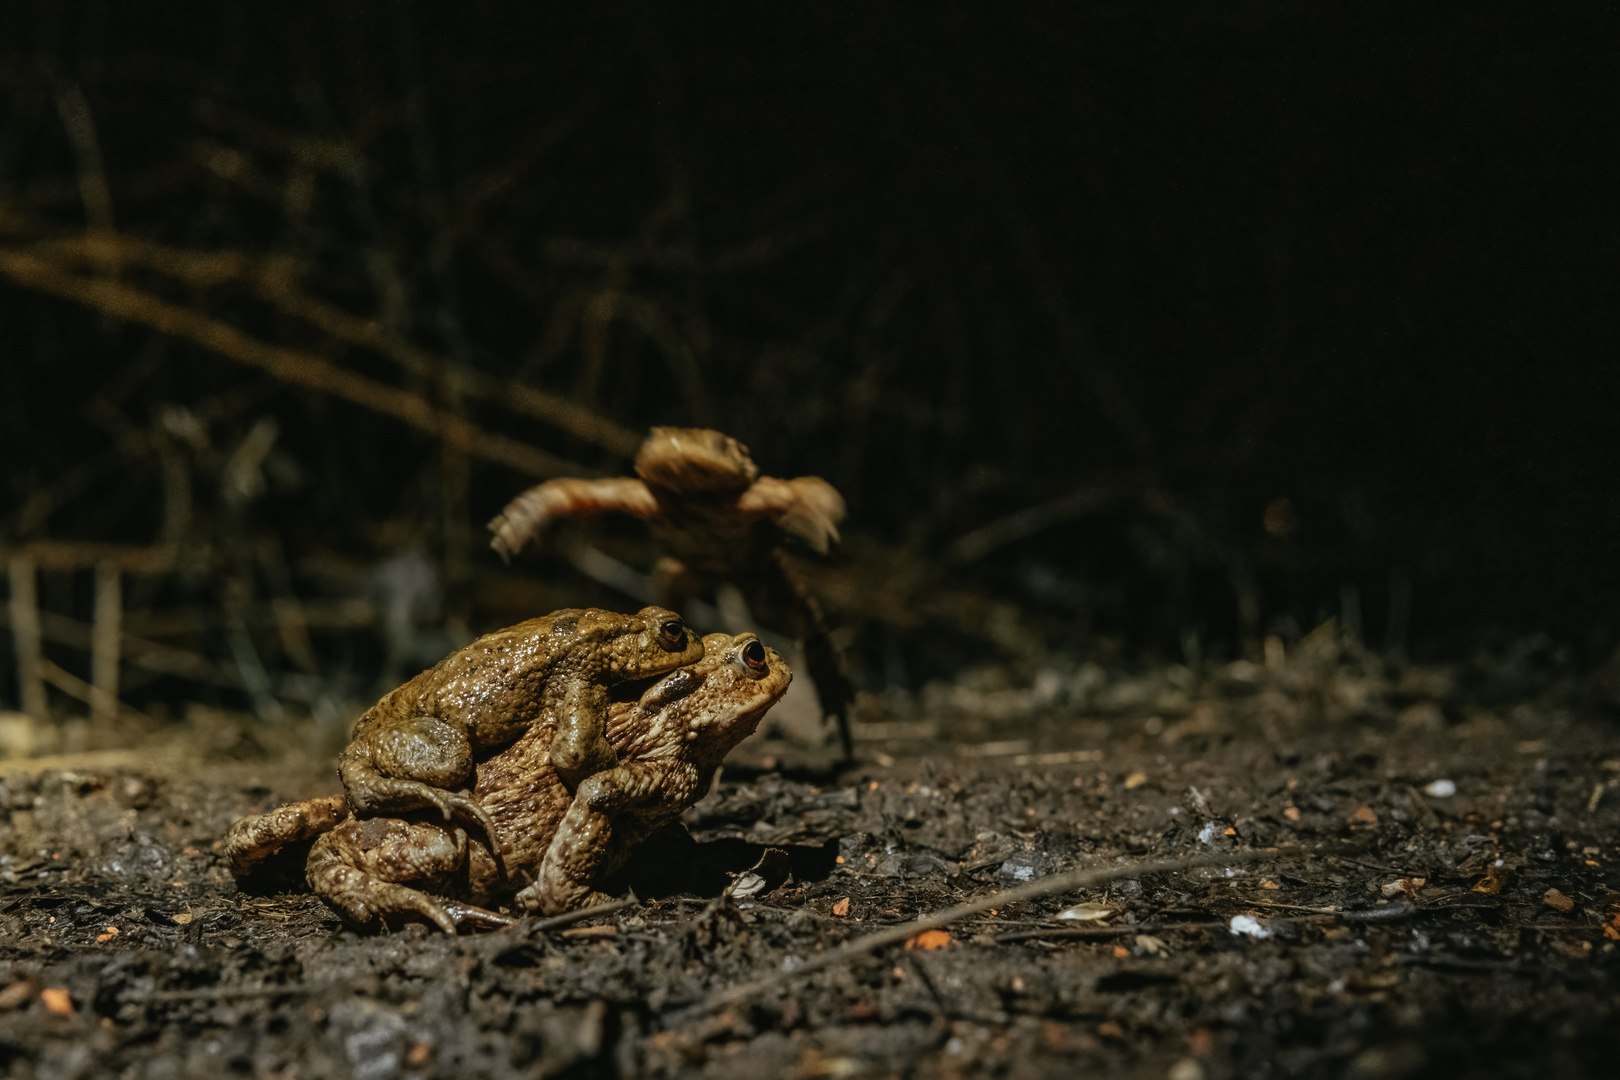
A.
x: 1441, y: 789
x: 1248, y: 924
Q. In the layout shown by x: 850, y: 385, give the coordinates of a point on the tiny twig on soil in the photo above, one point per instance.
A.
x: 559, y: 921
x: 1047, y: 886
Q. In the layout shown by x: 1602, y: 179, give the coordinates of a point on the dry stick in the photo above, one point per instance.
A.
x: 106, y: 637
x: 1047, y: 886
x: 26, y: 638
x: 288, y: 365
x: 75, y: 687
x: 271, y: 279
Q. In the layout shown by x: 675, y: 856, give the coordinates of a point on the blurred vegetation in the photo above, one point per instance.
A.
x: 1132, y: 330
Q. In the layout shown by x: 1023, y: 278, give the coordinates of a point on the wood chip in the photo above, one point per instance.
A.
x: 591, y: 932
x: 841, y: 908
x: 57, y: 1000
x: 1557, y: 900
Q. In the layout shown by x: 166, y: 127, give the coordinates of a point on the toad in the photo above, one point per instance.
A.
x: 415, y: 867
x: 702, y: 497
x: 417, y: 746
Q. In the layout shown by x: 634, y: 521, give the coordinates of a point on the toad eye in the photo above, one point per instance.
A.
x: 754, y: 656
x: 672, y: 635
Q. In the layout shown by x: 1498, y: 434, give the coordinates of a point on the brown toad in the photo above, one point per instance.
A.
x: 702, y: 497
x: 417, y: 746
x: 669, y: 742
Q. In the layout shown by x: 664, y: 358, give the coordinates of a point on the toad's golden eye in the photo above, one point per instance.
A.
x: 754, y: 655
x: 672, y: 635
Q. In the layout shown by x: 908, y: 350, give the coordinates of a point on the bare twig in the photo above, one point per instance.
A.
x: 274, y: 281
x: 24, y: 607
x: 75, y: 687
x: 1048, y: 886
x: 105, y: 642
x: 288, y: 365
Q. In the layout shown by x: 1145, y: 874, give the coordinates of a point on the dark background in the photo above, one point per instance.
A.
x: 961, y: 260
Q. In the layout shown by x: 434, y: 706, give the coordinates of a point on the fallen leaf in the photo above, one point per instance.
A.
x: 1557, y: 900
x: 929, y: 939
x: 1364, y: 816
x: 1267, y: 883
x: 1291, y: 813
x: 184, y: 918
x: 1135, y: 780
x: 19, y: 992
x: 841, y: 908
x: 1406, y: 886
x: 57, y: 1000
x: 1496, y: 876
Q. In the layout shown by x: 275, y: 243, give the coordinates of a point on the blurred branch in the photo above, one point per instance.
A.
x: 287, y: 365
x: 273, y: 280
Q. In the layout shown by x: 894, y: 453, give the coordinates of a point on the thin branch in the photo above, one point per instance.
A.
x: 273, y: 281
x: 288, y: 365
x: 1048, y: 886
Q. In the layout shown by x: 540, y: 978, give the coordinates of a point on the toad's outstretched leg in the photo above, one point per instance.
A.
x: 412, y: 764
x: 592, y: 839
x: 378, y: 872
x: 252, y: 840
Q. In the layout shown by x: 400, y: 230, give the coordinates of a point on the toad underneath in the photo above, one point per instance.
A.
x: 702, y: 497
x: 419, y: 868
x: 416, y: 747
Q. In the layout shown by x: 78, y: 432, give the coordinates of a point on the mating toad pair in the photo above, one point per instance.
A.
x: 432, y: 826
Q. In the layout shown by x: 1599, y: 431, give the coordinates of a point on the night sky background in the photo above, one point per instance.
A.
x: 959, y: 259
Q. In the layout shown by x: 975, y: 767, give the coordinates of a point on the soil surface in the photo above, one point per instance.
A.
x: 1442, y: 901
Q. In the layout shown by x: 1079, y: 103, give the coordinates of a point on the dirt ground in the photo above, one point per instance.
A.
x: 1442, y: 902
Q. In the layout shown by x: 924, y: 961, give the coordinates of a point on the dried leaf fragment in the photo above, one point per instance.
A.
x: 1291, y: 813
x: 1135, y: 780
x: 57, y: 1001
x: 929, y: 939
x: 1557, y: 900
x: 1496, y: 876
x: 1364, y: 816
x: 1088, y: 912
x: 841, y: 908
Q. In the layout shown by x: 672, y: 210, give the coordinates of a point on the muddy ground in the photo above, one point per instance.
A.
x: 1443, y: 902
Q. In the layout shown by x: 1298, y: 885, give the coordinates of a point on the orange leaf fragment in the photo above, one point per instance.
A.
x: 929, y: 939
x: 1121, y: 952
x: 57, y: 1000
x: 841, y: 908
x: 1364, y: 816
x: 1291, y: 813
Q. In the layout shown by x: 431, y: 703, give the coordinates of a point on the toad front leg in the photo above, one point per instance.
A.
x: 412, y: 763
x: 361, y: 870
x: 580, y: 747
x: 593, y: 839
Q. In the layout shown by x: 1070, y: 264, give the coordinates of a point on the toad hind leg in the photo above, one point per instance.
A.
x: 589, y: 841
x: 360, y: 870
x: 252, y: 840
x: 412, y: 764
